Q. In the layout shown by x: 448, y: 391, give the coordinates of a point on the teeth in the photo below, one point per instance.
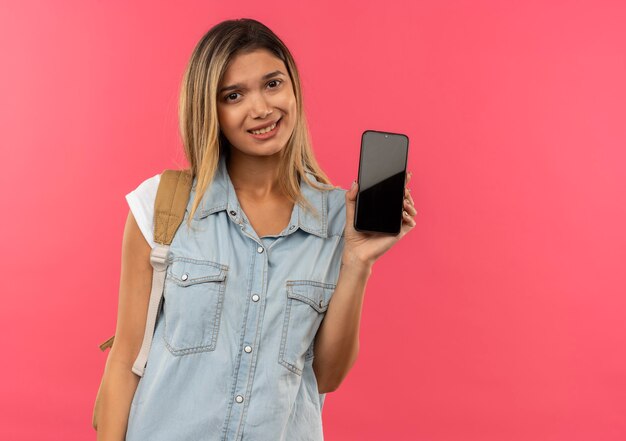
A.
x: 265, y: 130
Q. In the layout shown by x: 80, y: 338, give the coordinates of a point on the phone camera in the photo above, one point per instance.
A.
x: 386, y: 136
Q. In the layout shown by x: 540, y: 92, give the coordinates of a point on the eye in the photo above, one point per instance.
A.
x: 275, y: 81
x: 226, y: 98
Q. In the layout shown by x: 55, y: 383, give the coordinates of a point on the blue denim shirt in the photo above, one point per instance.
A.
x: 232, y: 354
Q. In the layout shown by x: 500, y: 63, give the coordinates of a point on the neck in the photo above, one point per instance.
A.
x: 255, y: 176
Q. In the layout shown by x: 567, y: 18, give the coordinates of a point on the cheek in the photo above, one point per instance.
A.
x: 290, y: 107
x: 226, y: 120
x: 288, y: 100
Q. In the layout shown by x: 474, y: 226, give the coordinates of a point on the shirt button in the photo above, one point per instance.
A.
x: 248, y: 349
x: 321, y: 303
x: 259, y: 250
x: 184, y: 277
x: 292, y: 227
x: 239, y: 399
x: 255, y: 298
x: 233, y: 213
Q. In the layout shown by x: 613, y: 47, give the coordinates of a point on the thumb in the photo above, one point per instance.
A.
x: 351, y: 193
x: 350, y: 202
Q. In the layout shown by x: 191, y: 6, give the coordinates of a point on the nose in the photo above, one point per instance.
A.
x: 259, y: 107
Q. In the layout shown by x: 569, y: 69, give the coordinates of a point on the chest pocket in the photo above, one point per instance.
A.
x: 193, y: 299
x: 306, y: 305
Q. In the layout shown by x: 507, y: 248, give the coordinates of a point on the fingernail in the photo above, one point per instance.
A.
x: 353, y: 185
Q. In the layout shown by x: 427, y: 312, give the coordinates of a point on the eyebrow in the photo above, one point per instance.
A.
x: 239, y: 86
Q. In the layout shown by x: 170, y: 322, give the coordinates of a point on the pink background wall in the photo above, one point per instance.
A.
x: 500, y: 317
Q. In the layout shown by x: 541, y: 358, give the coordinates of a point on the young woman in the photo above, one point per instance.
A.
x: 263, y: 293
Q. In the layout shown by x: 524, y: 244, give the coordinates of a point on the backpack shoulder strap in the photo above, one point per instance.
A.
x: 169, y: 210
x: 170, y: 204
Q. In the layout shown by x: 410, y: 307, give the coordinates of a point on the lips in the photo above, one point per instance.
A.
x: 266, y: 125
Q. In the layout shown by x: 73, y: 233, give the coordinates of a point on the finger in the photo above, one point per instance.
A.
x: 407, y: 195
x: 350, y: 205
x: 407, y: 191
x: 407, y: 225
x: 353, y: 190
x: 408, y: 219
x: 409, y: 208
x: 407, y: 177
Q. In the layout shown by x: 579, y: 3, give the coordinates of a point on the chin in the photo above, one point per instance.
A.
x: 261, y: 151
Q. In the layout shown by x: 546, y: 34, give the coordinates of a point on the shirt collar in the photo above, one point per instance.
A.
x: 221, y: 196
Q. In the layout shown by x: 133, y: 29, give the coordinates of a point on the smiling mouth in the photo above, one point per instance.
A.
x: 266, y: 129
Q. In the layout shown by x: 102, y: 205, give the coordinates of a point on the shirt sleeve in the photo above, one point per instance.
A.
x: 141, y: 203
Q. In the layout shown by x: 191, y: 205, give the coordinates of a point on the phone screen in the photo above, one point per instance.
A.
x: 382, y: 168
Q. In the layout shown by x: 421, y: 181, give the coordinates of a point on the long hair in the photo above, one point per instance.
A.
x: 204, y: 142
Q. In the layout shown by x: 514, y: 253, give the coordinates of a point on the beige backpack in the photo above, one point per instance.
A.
x: 169, y: 210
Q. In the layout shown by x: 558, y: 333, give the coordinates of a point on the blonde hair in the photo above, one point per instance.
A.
x: 203, y: 141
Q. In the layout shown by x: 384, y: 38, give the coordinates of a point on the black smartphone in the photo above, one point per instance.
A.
x: 382, y: 169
